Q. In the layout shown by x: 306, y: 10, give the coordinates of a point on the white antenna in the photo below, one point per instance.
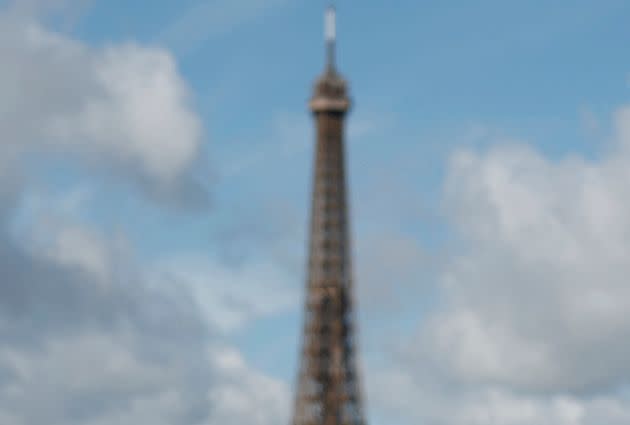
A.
x: 330, y: 32
x: 330, y: 27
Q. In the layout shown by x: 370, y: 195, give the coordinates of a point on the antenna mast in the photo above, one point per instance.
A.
x: 330, y: 32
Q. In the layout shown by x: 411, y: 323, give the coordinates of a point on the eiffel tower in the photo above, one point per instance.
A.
x: 328, y: 390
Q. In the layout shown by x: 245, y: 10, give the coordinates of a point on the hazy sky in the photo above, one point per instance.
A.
x: 155, y: 166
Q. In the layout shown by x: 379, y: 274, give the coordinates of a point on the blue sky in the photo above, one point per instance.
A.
x: 424, y: 77
x: 476, y: 126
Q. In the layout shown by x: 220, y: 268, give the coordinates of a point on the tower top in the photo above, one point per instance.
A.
x: 330, y: 94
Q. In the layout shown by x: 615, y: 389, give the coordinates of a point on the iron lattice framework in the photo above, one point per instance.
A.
x: 328, y: 390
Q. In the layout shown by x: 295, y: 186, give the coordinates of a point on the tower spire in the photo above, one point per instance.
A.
x: 330, y: 32
x: 330, y: 94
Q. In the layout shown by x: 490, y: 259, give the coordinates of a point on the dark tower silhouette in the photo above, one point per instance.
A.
x: 328, y: 391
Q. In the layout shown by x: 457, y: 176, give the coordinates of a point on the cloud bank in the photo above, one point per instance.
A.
x: 89, y: 334
x: 123, y: 109
x: 532, y: 326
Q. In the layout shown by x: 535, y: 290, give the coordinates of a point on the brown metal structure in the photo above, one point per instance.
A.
x: 328, y: 390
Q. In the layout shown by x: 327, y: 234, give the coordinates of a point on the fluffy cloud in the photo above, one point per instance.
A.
x: 231, y: 297
x: 83, y: 346
x: 544, y: 289
x: 120, y: 106
x: 88, y: 335
x: 532, y: 328
x: 245, y: 391
x: 448, y: 404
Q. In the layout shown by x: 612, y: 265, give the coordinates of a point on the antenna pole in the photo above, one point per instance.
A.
x: 330, y: 33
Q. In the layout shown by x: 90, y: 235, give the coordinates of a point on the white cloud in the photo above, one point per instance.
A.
x: 49, y: 227
x: 247, y: 395
x: 533, y: 326
x: 85, y: 346
x: 122, y: 106
x: 229, y: 296
x: 76, y: 246
x: 542, y: 287
x: 418, y: 399
x: 86, y: 339
x: 104, y: 378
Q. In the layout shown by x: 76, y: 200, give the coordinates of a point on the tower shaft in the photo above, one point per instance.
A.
x: 328, y: 390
